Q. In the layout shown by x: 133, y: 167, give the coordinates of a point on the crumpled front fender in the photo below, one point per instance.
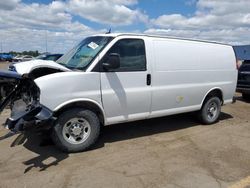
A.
x: 32, y: 116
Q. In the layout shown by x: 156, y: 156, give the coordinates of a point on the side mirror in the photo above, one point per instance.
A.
x: 112, y: 62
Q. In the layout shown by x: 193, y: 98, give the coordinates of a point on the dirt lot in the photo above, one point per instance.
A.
x: 4, y: 65
x: 173, y: 151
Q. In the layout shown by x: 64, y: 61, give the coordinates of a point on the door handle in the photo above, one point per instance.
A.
x: 148, y: 79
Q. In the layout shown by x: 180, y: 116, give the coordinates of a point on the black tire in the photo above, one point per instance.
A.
x: 210, y: 111
x: 246, y: 96
x: 62, y: 140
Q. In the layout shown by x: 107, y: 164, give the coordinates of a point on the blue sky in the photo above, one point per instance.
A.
x: 24, y: 23
x: 153, y: 8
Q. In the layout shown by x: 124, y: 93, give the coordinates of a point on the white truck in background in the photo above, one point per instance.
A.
x: 115, y: 78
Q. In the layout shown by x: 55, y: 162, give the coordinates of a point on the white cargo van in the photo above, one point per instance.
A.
x: 114, y: 78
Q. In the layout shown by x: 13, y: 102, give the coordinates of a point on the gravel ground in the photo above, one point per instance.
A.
x: 4, y: 65
x: 173, y: 151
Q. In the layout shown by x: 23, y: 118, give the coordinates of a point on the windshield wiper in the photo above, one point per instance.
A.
x: 61, y: 64
x: 71, y: 67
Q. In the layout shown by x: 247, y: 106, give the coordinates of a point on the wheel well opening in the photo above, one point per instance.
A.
x: 215, y: 93
x: 87, y: 105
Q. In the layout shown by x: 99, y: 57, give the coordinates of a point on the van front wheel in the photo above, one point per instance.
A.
x: 210, y: 111
x: 76, y: 130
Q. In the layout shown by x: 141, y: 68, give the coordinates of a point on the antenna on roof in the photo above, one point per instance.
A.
x: 109, y: 31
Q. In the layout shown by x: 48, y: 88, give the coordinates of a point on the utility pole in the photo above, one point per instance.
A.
x: 1, y: 47
x: 46, y: 42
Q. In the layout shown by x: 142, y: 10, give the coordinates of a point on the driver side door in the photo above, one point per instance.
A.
x: 126, y: 93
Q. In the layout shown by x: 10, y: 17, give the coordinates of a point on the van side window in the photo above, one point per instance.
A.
x: 132, y: 55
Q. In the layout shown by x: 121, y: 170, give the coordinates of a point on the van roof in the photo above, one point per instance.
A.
x: 159, y: 36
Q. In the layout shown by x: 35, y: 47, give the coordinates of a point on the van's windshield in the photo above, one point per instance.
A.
x: 84, y: 53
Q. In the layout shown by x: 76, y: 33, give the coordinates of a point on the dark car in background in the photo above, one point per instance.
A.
x: 243, y: 85
x: 6, y: 57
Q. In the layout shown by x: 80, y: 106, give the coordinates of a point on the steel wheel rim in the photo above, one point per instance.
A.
x: 76, y: 130
x: 212, y: 111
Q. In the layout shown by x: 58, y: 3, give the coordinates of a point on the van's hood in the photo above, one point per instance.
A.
x: 28, y: 66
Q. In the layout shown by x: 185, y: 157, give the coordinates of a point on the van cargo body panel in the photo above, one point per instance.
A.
x: 184, y: 71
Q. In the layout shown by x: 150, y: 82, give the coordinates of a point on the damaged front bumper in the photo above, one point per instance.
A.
x: 38, y: 117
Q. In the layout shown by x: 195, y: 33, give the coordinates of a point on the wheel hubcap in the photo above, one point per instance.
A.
x: 212, y: 110
x: 76, y: 130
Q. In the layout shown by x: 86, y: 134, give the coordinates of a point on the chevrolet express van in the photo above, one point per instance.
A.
x: 114, y: 78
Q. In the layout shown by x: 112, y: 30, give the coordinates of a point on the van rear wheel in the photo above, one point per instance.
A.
x: 76, y: 130
x: 210, y: 111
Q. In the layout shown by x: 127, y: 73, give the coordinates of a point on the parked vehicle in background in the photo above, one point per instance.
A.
x: 27, y: 58
x: 115, y: 78
x: 21, y: 58
x: 243, y: 84
x: 17, y: 58
x: 6, y: 57
x: 52, y: 57
x: 49, y: 57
